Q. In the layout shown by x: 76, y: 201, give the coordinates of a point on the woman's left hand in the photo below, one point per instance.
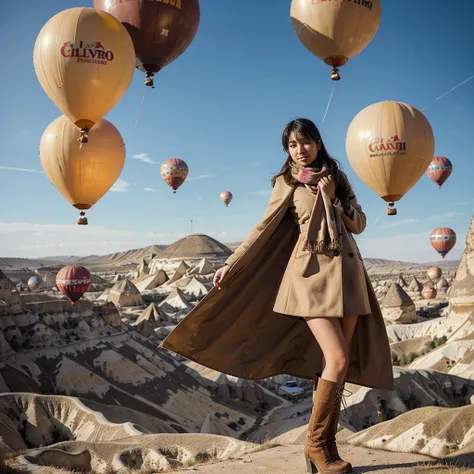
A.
x: 328, y: 186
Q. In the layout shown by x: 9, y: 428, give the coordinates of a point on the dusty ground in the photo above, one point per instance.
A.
x: 289, y: 460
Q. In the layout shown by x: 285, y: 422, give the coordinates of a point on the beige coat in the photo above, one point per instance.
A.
x: 235, y: 330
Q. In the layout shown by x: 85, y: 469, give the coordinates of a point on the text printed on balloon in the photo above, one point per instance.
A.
x: 363, y: 3
x: 381, y: 147
x: 92, y: 53
x: 174, y: 3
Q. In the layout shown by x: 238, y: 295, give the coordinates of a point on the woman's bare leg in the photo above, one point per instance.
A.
x: 330, y: 337
x: 348, y: 325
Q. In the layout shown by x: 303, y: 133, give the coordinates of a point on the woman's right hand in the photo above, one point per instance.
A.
x: 220, y: 275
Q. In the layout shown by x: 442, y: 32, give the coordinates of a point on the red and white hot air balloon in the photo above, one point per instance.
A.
x: 443, y: 239
x: 226, y: 197
x: 73, y: 281
x: 439, y: 170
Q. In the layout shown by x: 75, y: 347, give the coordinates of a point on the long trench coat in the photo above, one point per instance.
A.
x: 235, y: 330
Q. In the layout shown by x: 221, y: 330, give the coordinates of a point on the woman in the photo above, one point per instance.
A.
x: 295, y: 297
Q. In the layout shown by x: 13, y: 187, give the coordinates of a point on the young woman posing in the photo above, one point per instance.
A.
x: 306, y: 296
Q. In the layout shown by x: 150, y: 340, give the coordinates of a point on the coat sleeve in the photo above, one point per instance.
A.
x: 277, y: 198
x: 352, y: 215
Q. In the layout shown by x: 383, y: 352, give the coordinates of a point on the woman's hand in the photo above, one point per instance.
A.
x: 328, y: 186
x: 220, y: 275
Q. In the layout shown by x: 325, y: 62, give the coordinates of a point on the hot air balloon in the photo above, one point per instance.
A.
x: 226, y: 197
x: 84, y: 60
x: 389, y: 145
x: 442, y: 286
x: 82, y: 174
x: 161, y: 30
x: 439, y: 170
x: 73, y: 282
x: 443, y: 239
x: 174, y: 171
x: 335, y: 31
x: 434, y: 273
x: 429, y: 292
x: 34, y: 283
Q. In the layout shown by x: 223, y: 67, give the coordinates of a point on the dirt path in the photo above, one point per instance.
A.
x: 289, y: 460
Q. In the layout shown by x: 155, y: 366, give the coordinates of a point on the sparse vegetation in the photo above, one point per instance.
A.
x: 405, y: 359
x: 265, y: 445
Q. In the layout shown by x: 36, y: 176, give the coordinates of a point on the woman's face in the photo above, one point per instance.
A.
x: 303, y: 151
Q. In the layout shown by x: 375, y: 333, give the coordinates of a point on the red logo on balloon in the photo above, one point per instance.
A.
x: 93, y: 53
x: 379, y: 146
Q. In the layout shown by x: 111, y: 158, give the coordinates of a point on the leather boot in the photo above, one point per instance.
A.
x: 331, y: 438
x: 317, y: 456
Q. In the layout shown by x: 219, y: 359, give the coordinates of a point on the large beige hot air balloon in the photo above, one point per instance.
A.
x: 84, y: 60
x: 390, y: 145
x: 82, y: 174
x: 336, y: 30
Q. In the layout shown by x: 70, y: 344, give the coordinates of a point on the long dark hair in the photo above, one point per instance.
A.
x: 309, y: 130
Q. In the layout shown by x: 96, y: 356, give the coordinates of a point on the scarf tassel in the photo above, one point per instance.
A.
x: 319, y: 247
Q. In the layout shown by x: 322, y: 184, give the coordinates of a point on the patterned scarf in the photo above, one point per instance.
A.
x: 324, y: 227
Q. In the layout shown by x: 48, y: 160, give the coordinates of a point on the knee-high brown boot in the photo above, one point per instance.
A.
x: 317, y: 456
x: 332, y: 431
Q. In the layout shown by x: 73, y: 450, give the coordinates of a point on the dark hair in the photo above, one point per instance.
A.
x: 309, y: 130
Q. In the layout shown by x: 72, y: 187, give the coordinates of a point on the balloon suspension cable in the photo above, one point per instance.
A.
x: 329, y: 103
x: 391, y: 211
x: 84, y: 135
x: 82, y: 219
x: 148, y: 80
x: 335, y: 74
x: 140, y: 109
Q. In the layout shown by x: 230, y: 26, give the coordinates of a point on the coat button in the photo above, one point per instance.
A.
x: 351, y: 254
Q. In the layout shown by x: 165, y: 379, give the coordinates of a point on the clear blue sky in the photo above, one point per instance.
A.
x: 221, y: 107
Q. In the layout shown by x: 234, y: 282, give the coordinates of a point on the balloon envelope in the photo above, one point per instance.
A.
x: 161, y: 30
x: 82, y: 174
x: 434, y: 273
x: 429, y: 292
x: 389, y: 146
x: 73, y: 281
x: 226, y: 197
x: 84, y: 60
x: 174, y: 171
x: 439, y: 170
x: 335, y: 31
x: 443, y: 239
x: 34, y: 283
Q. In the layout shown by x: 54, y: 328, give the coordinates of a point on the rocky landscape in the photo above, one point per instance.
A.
x: 85, y: 389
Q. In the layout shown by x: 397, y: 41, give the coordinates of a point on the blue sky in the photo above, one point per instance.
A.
x: 221, y: 107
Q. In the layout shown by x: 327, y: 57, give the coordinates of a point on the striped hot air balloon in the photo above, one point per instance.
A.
x: 174, y: 171
x: 439, y: 170
x: 443, y: 239
x: 73, y: 282
x: 34, y: 283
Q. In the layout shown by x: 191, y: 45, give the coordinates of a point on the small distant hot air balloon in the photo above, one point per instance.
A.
x: 73, y: 282
x: 443, y: 239
x: 429, y: 292
x: 161, y: 30
x: 434, y: 273
x: 389, y: 145
x: 439, y: 170
x: 34, y: 283
x: 226, y: 197
x: 82, y: 174
x: 174, y: 172
x: 84, y: 60
x: 335, y: 31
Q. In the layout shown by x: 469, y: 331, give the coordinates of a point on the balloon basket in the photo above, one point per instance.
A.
x: 82, y: 219
x: 335, y: 74
x: 84, y: 137
x: 391, y: 211
x: 149, y: 81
